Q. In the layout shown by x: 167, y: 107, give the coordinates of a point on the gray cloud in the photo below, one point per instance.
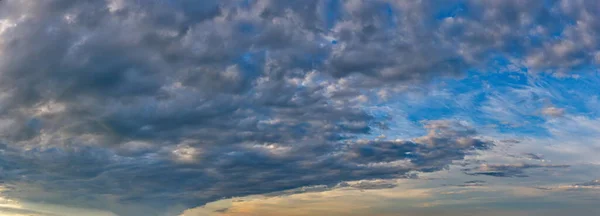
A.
x: 578, y: 187
x: 590, y: 184
x: 472, y: 183
x: 371, y: 185
x: 533, y: 156
x: 87, y: 173
x: 191, y: 102
x: 508, y: 170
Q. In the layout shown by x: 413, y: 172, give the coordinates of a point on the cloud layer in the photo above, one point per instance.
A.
x: 137, y: 103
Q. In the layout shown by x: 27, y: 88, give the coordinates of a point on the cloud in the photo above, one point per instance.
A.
x: 472, y: 183
x: 585, y: 186
x: 533, y: 156
x: 245, y: 170
x: 173, y: 100
x: 371, y: 185
x: 553, y: 111
x: 590, y: 183
x: 508, y: 170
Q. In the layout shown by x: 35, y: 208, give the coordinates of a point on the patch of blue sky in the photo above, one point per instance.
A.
x: 577, y: 95
x: 246, y: 3
x: 248, y: 29
x: 251, y: 63
x: 332, y: 13
x: 499, y: 63
x: 549, y: 4
x: 503, y: 99
x: 511, y: 102
x: 504, y: 96
x: 451, y: 10
x: 390, y: 16
x: 398, y: 126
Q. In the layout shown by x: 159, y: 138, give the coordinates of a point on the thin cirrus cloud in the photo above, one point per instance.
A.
x: 154, y: 107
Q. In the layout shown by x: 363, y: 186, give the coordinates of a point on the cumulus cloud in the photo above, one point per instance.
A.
x: 190, y: 102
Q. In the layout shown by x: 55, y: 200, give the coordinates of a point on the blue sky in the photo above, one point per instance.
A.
x: 299, y: 107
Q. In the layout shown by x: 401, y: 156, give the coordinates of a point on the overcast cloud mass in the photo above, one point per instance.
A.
x: 299, y: 107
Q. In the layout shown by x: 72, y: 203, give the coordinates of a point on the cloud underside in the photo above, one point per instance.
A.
x: 77, y: 173
x: 183, y: 103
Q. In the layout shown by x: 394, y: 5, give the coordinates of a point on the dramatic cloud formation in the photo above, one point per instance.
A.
x: 157, y: 178
x: 153, y: 107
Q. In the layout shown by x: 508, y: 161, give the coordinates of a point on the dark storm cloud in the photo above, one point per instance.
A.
x: 185, y: 102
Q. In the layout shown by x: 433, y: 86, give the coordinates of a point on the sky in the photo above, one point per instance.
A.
x: 299, y: 107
